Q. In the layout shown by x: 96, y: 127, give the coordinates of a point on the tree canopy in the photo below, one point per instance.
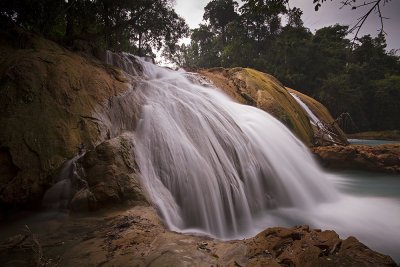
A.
x: 131, y: 25
x: 357, y: 78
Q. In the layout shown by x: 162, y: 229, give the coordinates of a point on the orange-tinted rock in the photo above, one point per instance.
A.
x: 112, y: 174
x: 383, y: 158
x: 136, y: 237
x: 47, y: 100
x: 300, y: 246
x: 255, y: 88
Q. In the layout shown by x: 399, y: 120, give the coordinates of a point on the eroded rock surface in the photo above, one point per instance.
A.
x: 104, y: 176
x: 136, y: 237
x: 300, y: 246
x: 329, y: 126
x: 47, y: 101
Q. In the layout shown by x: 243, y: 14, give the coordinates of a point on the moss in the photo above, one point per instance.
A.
x: 251, y: 87
x: 276, y: 100
x: 46, y: 94
x: 323, y: 115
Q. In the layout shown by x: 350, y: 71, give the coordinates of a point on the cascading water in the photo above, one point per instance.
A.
x: 214, y: 165
x: 229, y: 170
x: 313, y: 119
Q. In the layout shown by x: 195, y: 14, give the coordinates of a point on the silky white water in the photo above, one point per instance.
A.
x: 229, y: 170
x: 313, y: 118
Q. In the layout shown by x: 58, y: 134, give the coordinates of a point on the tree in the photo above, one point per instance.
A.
x: 137, y: 26
x: 219, y: 13
x: 373, y: 6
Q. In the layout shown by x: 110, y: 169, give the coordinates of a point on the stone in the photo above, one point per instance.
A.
x: 83, y: 201
x: 137, y: 237
x: 112, y: 174
x: 48, y: 97
x: 251, y: 87
x: 380, y: 158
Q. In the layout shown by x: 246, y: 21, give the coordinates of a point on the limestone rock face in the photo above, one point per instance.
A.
x: 322, y: 113
x: 48, y: 95
x: 383, y: 158
x: 251, y: 87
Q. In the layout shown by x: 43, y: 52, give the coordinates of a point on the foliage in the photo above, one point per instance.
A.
x: 130, y: 25
x: 357, y: 78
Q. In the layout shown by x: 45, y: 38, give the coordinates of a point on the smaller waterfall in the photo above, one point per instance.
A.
x: 124, y: 61
x: 68, y: 180
x: 314, y: 120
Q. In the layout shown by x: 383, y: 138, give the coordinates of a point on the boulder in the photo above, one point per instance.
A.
x: 112, y: 174
x: 251, y: 87
x: 300, y: 246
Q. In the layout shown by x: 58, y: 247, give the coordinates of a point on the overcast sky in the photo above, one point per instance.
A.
x: 329, y: 14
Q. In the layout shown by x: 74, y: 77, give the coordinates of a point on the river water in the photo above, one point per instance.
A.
x: 371, y: 142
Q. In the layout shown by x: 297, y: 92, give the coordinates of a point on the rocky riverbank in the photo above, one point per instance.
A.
x: 381, y: 158
x: 136, y: 237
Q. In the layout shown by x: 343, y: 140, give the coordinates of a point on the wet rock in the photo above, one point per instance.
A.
x: 137, y: 237
x: 112, y: 174
x: 251, y: 87
x: 83, y: 201
x: 314, y: 248
x: 382, y: 158
x: 47, y: 100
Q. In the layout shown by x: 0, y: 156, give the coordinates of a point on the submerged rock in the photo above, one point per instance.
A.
x: 382, y: 158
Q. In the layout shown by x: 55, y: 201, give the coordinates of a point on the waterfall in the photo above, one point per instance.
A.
x: 216, y: 167
x: 313, y: 119
x: 213, y: 165
x: 60, y: 194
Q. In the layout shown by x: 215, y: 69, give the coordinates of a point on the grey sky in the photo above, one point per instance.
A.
x: 329, y: 14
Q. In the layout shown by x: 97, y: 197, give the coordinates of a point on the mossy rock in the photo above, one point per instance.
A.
x: 48, y: 95
x: 322, y: 113
x: 251, y: 87
x: 255, y: 88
